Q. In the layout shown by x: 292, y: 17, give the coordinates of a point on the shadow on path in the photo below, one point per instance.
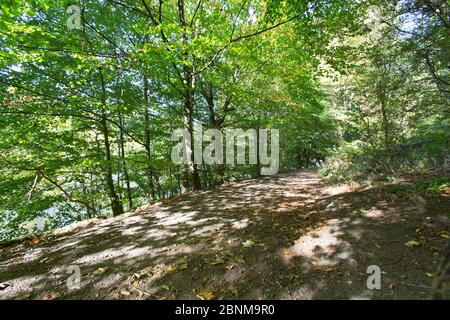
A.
x: 281, y: 237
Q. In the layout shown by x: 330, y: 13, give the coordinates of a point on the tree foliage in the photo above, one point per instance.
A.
x: 87, y: 113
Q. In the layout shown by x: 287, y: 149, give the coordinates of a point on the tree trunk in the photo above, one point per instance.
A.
x: 188, y: 96
x: 215, y: 121
x: 385, y: 123
x: 116, y: 204
x: 191, y: 167
x: 124, y: 164
x: 148, y: 142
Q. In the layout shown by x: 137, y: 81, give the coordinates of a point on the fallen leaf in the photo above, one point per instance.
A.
x: 287, y: 253
x: 50, y: 296
x: 183, y: 266
x: 125, y: 293
x: 174, y: 268
x: 141, y: 292
x: 205, y: 295
x: 100, y: 271
x: 135, y: 276
x: 444, y: 234
x: 165, y: 287
x: 172, y: 297
x: 248, y: 244
x: 217, y: 261
x: 412, y: 243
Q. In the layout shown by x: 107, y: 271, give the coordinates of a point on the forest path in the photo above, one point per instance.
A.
x: 281, y: 237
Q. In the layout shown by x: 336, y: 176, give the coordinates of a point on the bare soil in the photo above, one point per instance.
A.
x: 282, y: 237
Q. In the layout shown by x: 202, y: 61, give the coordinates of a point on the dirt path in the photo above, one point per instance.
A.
x: 282, y: 237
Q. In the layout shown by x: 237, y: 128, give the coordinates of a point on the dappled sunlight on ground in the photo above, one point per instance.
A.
x: 320, y: 247
x: 280, y: 237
